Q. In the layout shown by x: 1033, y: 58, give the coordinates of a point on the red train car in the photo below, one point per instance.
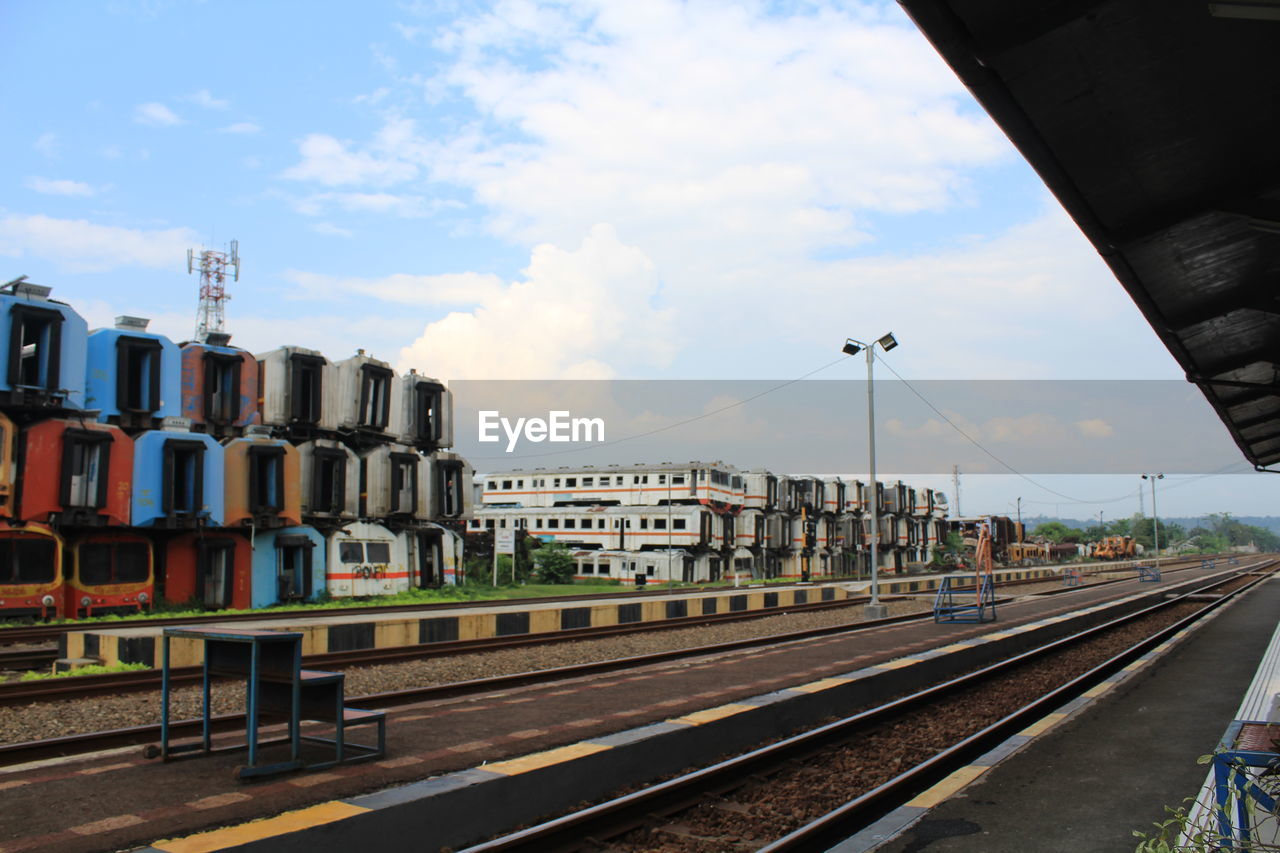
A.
x: 109, y: 571
x: 81, y: 474
x: 211, y: 567
x: 31, y: 582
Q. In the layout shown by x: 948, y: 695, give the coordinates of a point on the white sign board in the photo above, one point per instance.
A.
x: 504, y: 541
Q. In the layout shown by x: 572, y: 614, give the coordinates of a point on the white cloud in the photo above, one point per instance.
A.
x: 47, y: 145
x: 433, y: 290
x: 405, y: 206
x: 328, y: 161
x: 60, y: 186
x: 1095, y: 428
x: 82, y: 246
x: 205, y: 99
x: 155, y: 114
x: 245, y: 127
x: 575, y: 315
x: 331, y: 230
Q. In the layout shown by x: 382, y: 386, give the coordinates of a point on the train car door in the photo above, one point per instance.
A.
x: 215, y: 572
x: 293, y: 567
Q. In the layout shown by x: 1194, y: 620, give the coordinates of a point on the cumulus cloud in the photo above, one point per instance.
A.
x: 572, y: 316
x: 59, y: 186
x: 155, y: 114
x: 204, y: 98
x: 1095, y: 428
x: 435, y: 290
x: 405, y: 206
x: 329, y: 161
x: 81, y: 246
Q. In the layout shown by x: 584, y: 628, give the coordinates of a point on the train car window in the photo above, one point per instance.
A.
x: 27, y: 561
x: 677, y: 524
x: 570, y: 482
x: 488, y: 523
x: 351, y: 552
x: 131, y: 562
x: 506, y: 484
x: 570, y: 523
x: 137, y: 374
x: 449, y: 487
x: 553, y: 523
x: 95, y: 564
x: 85, y: 465
x: 493, y: 485
x: 215, y: 567
x: 35, y: 340
x: 221, y: 388
x: 375, y: 396
x: 427, y: 398
x: 659, y: 524
x: 378, y: 552
x: 305, y: 387
x: 600, y: 524
x: 677, y: 479
x: 404, y: 482
x: 183, y: 477
x: 557, y: 483
x: 587, y: 482
x: 519, y: 484
x: 644, y: 523
x: 587, y: 568
x: 266, y: 479
x: 329, y: 480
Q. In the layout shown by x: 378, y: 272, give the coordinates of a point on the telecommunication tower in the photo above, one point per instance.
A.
x: 213, y: 293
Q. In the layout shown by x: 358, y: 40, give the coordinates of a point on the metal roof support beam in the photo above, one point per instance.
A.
x: 1262, y: 294
x: 1268, y: 353
x: 1248, y: 201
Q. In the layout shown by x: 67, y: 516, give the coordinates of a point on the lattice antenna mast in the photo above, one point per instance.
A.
x: 213, y: 268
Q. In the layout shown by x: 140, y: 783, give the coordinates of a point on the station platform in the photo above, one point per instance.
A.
x: 533, y: 749
x: 1084, y: 779
x: 340, y: 633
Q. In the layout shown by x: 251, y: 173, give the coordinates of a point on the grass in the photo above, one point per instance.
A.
x: 445, y: 594
x: 93, y: 669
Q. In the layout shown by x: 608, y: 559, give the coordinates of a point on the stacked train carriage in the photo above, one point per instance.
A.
x: 701, y: 521
x: 133, y: 468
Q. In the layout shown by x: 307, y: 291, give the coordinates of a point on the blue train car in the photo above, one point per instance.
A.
x: 42, y: 344
x: 134, y: 377
x: 288, y: 565
x: 177, y: 479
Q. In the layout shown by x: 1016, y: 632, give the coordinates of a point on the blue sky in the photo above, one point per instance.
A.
x: 558, y: 190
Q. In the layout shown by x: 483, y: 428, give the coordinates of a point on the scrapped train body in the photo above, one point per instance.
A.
x: 619, y: 485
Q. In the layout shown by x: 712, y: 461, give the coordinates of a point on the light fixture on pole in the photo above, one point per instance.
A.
x: 874, y: 610
x: 1155, y: 514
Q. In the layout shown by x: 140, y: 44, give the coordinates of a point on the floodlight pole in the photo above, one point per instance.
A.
x: 1155, y: 513
x: 874, y: 610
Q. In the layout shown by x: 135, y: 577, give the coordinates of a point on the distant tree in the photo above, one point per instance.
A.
x: 1056, y: 532
x: 553, y: 563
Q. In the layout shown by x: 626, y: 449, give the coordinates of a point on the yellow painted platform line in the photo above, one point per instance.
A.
x: 710, y: 715
x: 954, y: 647
x: 538, y: 760
x: 220, y: 839
x: 948, y: 786
x: 1099, y: 689
x: 998, y: 635
x: 896, y: 664
x: 820, y: 685
x: 1042, y: 725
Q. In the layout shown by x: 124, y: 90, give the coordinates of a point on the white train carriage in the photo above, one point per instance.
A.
x: 835, y: 493
x: 422, y: 412
x: 330, y: 474
x: 365, y: 559
x: 452, y: 495
x: 617, y: 485
x: 749, y: 529
x: 298, y: 389
x: 362, y: 399
x: 761, y: 490
x: 398, y: 483
x: 642, y: 567
x: 611, y: 528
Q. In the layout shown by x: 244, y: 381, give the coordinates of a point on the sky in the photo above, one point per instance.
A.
x: 571, y: 190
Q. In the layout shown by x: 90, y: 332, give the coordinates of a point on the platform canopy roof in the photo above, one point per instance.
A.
x: 1156, y: 123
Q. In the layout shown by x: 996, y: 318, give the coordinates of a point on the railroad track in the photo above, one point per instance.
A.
x: 32, y: 634
x: 20, y: 753
x: 751, y: 796
x: 26, y: 659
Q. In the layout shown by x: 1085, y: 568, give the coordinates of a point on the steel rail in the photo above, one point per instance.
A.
x: 611, y: 818
x: 38, y: 633
x: 24, y: 752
